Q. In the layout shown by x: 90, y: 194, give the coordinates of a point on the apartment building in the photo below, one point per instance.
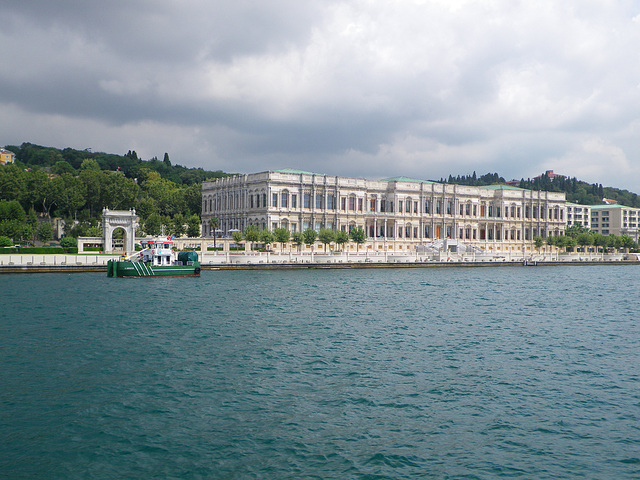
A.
x: 616, y: 220
x: 396, y: 213
x: 578, y: 215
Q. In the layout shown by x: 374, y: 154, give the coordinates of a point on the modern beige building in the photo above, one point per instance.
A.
x: 616, y: 220
x: 396, y: 213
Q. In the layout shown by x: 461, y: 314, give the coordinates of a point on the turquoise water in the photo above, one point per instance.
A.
x: 458, y: 373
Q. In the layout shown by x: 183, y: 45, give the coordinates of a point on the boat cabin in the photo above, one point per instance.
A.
x: 157, y: 252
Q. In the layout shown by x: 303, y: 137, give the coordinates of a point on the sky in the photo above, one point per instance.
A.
x: 363, y: 88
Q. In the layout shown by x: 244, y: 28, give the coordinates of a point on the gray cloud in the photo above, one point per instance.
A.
x: 417, y: 88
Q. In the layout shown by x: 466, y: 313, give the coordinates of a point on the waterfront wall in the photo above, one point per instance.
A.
x: 69, y: 263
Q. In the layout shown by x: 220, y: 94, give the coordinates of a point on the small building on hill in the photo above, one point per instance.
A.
x: 6, y: 156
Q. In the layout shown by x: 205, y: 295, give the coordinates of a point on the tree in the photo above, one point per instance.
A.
x: 177, y: 225
x: 359, y: 236
x: 584, y: 240
x: 153, y: 225
x: 44, y: 232
x: 67, y: 242
x: 5, y: 242
x: 266, y: 237
x: 298, y: 239
x: 193, y: 226
x: 342, y: 237
x: 538, y: 241
x: 309, y: 236
x: 627, y: 242
x: 599, y: 240
x: 251, y: 234
x: 326, y: 236
x: 575, y: 230
x: 214, y: 223
x: 281, y: 235
x: 237, y: 237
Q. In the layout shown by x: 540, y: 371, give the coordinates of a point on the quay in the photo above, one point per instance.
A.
x: 27, y: 263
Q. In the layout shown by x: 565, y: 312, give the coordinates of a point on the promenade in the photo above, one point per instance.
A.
x: 15, y: 263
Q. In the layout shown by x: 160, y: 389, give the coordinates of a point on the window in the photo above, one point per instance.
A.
x: 426, y: 209
x: 294, y: 200
x: 408, y: 206
x: 372, y: 205
x: 284, y: 199
x: 250, y: 201
x: 438, y: 207
x: 468, y: 210
x: 331, y: 201
x: 427, y: 232
x: 306, y: 200
x: 475, y: 211
x: 352, y: 203
x: 360, y: 204
x: 400, y: 206
x: 449, y: 207
x: 318, y: 201
x: 274, y: 200
x: 264, y: 200
x: 343, y: 204
x: 415, y: 207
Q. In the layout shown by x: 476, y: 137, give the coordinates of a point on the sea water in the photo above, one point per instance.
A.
x: 456, y: 373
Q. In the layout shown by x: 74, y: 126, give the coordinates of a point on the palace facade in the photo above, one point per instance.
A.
x: 396, y: 213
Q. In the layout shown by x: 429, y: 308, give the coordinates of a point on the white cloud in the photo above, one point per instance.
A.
x: 365, y: 88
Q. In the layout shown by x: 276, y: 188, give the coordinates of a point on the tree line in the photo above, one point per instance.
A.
x: 576, y: 191
x: 77, y: 185
x: 309, y: 236
x: 577, y: 236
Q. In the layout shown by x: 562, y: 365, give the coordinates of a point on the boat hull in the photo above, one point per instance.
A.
x: 119, y: 268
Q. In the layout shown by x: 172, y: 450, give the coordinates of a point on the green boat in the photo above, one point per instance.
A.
x: 155, y: 260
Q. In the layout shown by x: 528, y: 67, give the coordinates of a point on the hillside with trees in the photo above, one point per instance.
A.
x: 76, y: 185
x: 576, y: 190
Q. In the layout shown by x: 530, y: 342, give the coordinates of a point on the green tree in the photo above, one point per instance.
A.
x: 237, y: 238
x: 538, y: 241
x: 177, y: 226
x: 599, y: 240
x: 297, y: 238
x: 214, y: 223
x: 67, y: 242
x: 62, y: 166
x: 326, y: 236
x: 251, y: 234
x: 627, y: 242
x: 193, y: 226
x: 358, y: 236
x: 281, y: 235
x: 5, y: 241
x: 584, y: 240
x: 266, y: 237
x: 309, y: 236
x: 153, y: 225
x: 575, y: 230
x: 342, y: 237
x: 44, y: 232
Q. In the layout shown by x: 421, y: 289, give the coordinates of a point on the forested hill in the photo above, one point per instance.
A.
x: 576, y: 190
x: 69, y: 160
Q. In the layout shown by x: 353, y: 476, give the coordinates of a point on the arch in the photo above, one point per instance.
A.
x: 113, y: 220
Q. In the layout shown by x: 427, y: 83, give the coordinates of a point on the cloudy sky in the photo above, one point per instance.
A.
x: 364, y: 88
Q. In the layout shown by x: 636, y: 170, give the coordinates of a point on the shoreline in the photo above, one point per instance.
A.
x: 99, y: 264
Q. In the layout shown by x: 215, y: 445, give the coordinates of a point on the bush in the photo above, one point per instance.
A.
x: 68, y: 242
x: 5, y: 242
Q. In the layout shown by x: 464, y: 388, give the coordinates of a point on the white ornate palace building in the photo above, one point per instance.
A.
x: 396, y: 213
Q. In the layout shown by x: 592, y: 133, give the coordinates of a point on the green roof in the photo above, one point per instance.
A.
x: 293, y: 170
x: 502, y: 187
x: 405, y: 179
x: 607, y: 207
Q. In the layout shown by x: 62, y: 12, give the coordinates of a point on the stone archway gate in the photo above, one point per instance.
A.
x: 114, y: 219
